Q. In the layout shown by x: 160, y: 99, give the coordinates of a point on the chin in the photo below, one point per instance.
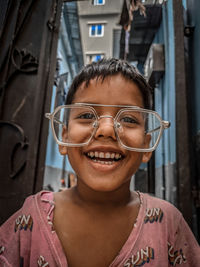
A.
x: 105, y: 186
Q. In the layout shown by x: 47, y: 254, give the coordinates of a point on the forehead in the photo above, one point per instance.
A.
x: 113, y: 90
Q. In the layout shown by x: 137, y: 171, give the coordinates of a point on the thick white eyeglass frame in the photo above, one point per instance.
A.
x: 164, y: 124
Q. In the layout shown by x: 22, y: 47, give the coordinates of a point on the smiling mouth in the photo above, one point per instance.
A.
x: 107, y: 158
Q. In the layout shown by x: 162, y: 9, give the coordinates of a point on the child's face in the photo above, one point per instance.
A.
x: 96, y: 174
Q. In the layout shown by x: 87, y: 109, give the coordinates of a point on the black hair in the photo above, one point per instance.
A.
x: 110, y: 67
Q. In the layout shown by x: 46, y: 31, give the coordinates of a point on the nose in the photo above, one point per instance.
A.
x: 105, y: 127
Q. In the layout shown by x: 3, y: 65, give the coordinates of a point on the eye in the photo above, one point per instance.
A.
x: 129, y: 119
x: 87, y: 116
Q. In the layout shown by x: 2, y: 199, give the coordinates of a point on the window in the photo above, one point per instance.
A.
x: 98, y: 2
x: 96, y: 30
x: 93, y: 58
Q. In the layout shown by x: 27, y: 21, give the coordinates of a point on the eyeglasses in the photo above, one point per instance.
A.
x: 135, y: 128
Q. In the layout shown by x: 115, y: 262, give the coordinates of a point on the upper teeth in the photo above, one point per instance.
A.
x: 105, y: 155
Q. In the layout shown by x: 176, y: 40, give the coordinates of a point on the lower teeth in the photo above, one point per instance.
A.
x: 104, y: 162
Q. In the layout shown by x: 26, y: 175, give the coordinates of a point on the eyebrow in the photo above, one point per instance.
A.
x: 104, y: 105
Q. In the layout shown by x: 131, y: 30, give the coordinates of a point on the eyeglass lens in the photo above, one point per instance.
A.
x: 76, y: 126
x: 138, y: 129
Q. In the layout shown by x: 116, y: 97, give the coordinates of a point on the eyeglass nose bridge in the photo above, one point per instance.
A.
x: 105, y: 116
x: 96, y: 123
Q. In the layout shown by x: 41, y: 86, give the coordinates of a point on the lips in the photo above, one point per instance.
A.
x: 102, y: 157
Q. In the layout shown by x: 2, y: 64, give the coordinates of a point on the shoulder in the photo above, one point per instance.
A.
x: 152, y: 201
x: 182, y: 245
x: 28, y: 209
x: 160, y: 210
x: 16, y: 234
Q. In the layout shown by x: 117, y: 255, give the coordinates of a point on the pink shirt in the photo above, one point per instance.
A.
x: 160, y: 237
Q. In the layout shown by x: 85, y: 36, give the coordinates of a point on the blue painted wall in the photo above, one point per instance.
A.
x: 165, y: 90
x: 69, y: 55
x: 53, y: 157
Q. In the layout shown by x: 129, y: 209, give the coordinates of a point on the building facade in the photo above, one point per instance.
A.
x: 100, y: 29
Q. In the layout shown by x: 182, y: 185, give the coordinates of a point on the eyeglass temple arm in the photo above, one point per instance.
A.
x: 48, y: 116
x: 166, y: 124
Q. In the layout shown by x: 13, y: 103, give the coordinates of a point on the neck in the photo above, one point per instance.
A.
x: 118, y: 198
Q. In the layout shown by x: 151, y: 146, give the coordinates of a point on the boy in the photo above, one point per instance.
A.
x: 107, y: 130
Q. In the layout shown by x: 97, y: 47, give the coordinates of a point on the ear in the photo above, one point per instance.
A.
x: 63, y: 149
x: 147, y: 155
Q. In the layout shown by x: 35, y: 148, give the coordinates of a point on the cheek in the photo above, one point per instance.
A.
x: 147, y: 140
x: 135, y: 139
x: 75, y: 158
x: 136, y: 158
x: 134, y: 163
x: 73, y: 134
x: 78, y: 133
x: 72, y: 154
